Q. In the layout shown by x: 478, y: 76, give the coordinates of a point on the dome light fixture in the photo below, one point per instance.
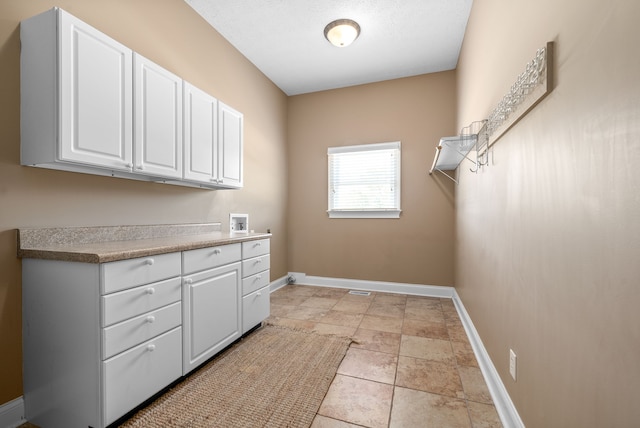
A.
x: 342, y: 32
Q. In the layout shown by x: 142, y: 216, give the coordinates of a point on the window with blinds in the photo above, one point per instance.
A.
x: 364, y: 181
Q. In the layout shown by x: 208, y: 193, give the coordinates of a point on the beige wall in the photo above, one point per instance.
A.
x: 418, y: 247
x: 549, y: 235
x: 170, y: 33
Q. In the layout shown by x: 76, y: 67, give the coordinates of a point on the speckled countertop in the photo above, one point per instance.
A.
x: 112, y: 243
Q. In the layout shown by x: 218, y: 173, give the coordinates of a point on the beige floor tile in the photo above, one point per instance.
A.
x: 332, y: 293
x: 427, y: 349
x: 370, y: 365
x: 324, y: 422
x: 422, y: 328
x: 447, y: 303
x: 306, y: 313
x: 390, y: 298
x: 281, y: 310
x: 374, y: 340
x: 295, y: 290
x: 373, y: 322
x: 414, y: 344
x: 464, y: 354
x: 457, y: 333
x: 483, y: 415
x: 394, y: 310
x: 337, y: 330
x: 285, y: 299
x: 474, y: 385
x: 423, y: 302
x: 452, y: 317
x: 303, y: 289
x: 319, y: 302
x: 421, y: 409
x: 352, y: 306
x: 293, y: 323
x: 339, y: 318
x: 424, y: 314
x: 429, y: 376
x: 358, y: 401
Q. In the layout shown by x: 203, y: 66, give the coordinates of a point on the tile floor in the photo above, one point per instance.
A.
x: 411, y: 364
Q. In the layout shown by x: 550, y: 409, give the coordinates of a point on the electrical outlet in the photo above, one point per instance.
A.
x: 512, y: 363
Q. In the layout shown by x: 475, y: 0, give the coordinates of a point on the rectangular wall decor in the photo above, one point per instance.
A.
x: 529, y: 89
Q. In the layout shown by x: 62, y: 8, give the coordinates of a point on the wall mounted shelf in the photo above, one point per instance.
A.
x: 451, y: 151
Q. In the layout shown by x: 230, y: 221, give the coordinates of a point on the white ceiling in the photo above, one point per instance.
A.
x: 285, y: 38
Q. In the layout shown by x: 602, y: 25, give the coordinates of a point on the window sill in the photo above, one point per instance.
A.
x: 365, y: 214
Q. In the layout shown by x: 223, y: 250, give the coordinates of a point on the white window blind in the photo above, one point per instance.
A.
x: 364, y: 181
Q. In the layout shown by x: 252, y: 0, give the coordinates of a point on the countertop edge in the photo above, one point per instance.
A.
x: 125, y: 250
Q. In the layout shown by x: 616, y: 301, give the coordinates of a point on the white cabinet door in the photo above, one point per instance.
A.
x: 200, y: 135
x: 95, y: 89
x: 211, y: 313
x: 158, y: 120
x: 230, y: 139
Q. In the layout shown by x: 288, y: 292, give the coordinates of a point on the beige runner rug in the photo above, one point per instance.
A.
x: 275, y: 377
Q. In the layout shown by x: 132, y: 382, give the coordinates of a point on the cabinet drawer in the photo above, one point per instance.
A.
x: 255, y: 308
x: 210, y: 257
x: 135, y: 375
x: 126, y: 304
x: 124, y: 335
x: 255, y: 248
x: 125, y: 274
x: 254, y: 282
x: 255, y: 265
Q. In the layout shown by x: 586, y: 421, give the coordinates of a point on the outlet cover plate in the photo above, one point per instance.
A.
x: 512, y: 363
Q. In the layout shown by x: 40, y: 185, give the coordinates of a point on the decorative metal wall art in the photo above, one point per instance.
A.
x: 531, y: 86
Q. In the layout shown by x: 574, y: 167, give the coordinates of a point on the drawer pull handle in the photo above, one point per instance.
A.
x: 258, y: 261
x: 217, y: 251
x: 151, y: 347
x: 151, y: 319
x: 257, y: 244
x: 149, y: 262
x: 150, y: 290
x: 188, y: 281
x: 258, y: 277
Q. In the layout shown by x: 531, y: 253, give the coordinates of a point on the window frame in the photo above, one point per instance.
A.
x: 368, y: 213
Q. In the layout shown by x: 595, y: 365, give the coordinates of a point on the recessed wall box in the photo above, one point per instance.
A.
x: 239, y: 223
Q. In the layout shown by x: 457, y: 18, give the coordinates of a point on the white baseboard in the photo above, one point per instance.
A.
x: 506, y: 410
x: 278, y: 283
x: 504, y: 406
x: 381, y: 286
x: 12, y: 413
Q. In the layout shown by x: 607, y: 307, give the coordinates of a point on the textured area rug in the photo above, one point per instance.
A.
x: 275, y: 377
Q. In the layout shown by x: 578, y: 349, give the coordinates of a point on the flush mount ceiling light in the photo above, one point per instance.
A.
x: 342, y: 32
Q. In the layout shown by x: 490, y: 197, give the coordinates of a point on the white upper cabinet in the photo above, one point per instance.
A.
x: 230, y: 142
x: 200, y: 135
x: 213, y: 140
x: 90, y: 104
x: 76, y: 87
x: 158, y: 120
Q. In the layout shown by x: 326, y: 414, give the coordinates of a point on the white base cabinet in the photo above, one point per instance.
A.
x: 90, y: 356
x: 211, y: 302
x: 255, y: 283
x: 100, y: 339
